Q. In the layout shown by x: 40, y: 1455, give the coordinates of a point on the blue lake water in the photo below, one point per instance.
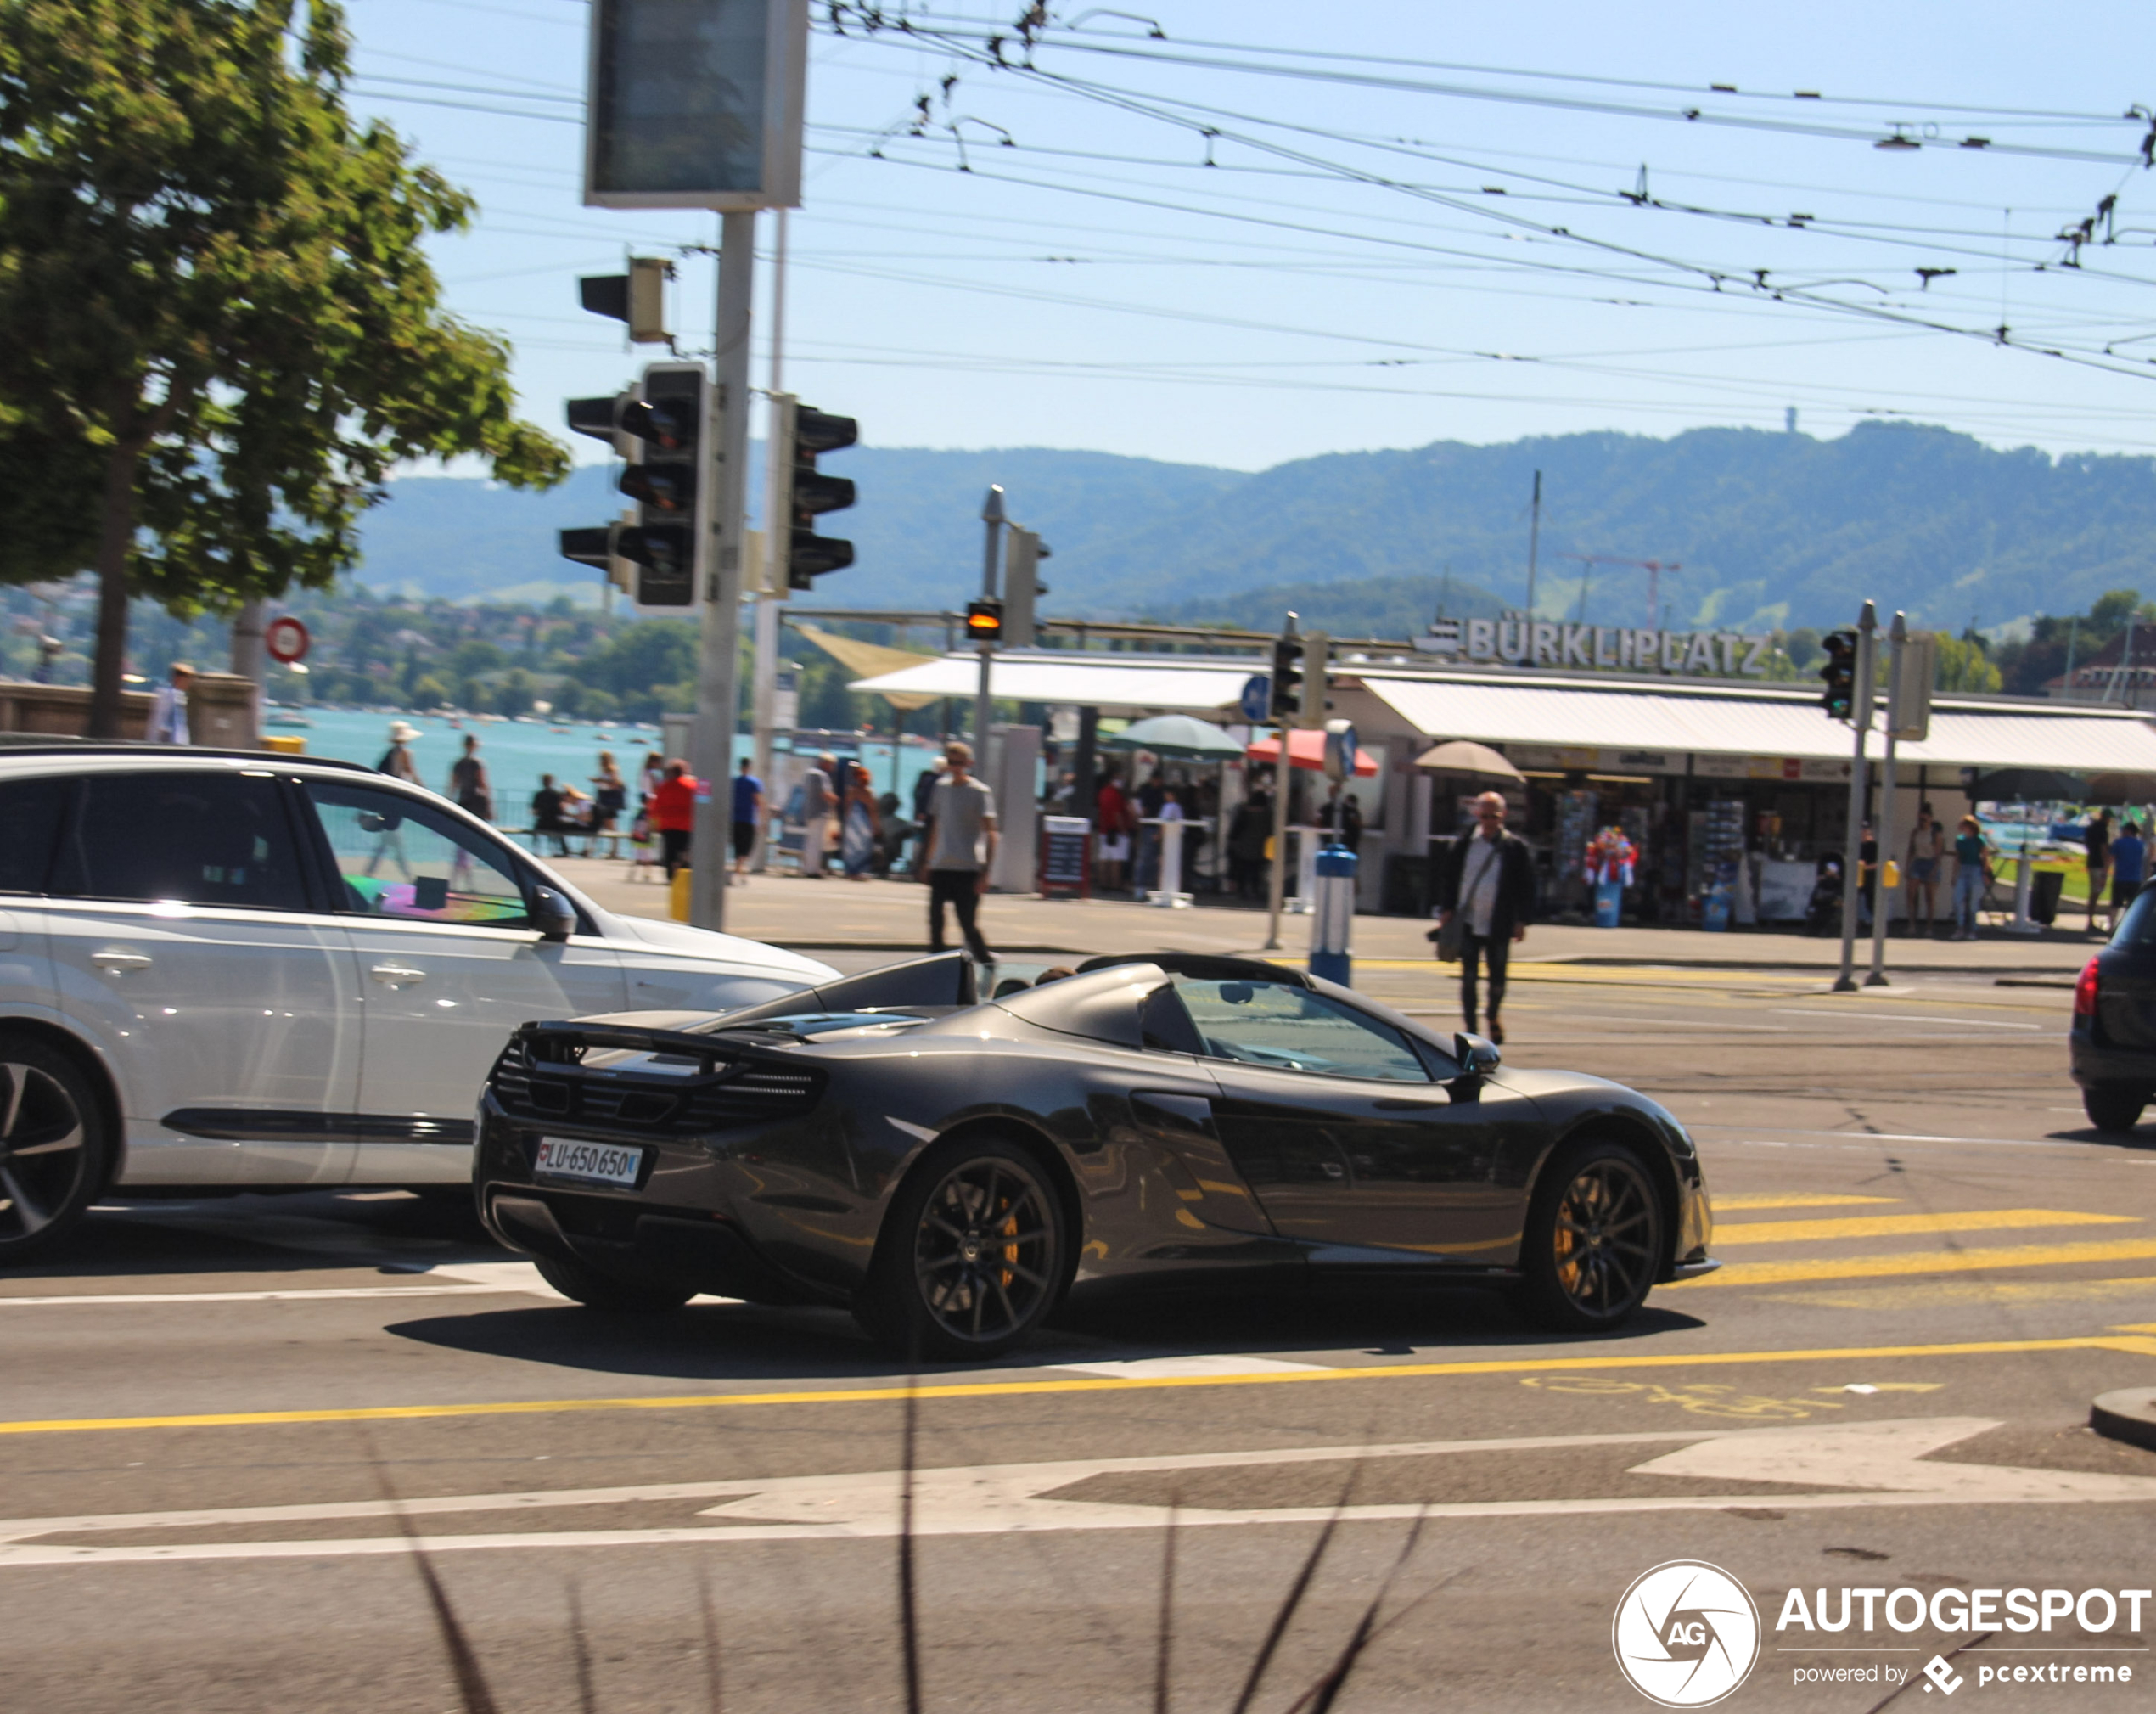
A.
x: 517, y: 752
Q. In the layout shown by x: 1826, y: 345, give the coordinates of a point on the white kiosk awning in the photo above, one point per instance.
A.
x: 1744, y: 720
x: 1194, y: 684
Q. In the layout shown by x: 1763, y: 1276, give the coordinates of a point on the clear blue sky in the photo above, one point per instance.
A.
x: 1346, y: 274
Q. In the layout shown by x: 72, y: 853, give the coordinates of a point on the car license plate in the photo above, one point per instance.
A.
x: 598, y: 1163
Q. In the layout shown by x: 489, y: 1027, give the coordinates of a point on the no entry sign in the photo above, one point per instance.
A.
x: 286, y: 639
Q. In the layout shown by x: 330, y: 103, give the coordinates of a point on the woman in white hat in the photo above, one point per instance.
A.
x: 396, y: 760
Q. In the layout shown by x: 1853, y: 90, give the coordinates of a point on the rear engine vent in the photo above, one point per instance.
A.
x: 734, y: 1093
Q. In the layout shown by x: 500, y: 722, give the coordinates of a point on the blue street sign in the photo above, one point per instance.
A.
x: 1257, y: 698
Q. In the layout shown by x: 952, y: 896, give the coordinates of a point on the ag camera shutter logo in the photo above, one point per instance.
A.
x: 1686, y: 1634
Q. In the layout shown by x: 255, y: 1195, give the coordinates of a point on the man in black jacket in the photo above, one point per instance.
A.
x: 1489, y: 878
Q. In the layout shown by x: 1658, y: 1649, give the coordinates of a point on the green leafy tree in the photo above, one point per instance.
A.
x: 222, y: 329
x: 1963, y: 665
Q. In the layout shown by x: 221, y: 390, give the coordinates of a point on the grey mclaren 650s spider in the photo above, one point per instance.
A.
x: 952, y: 1168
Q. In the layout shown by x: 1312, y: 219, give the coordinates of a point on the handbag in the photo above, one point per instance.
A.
x: 1452, y: 938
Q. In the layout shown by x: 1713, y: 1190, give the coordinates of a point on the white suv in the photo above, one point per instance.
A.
x: 223, y: 969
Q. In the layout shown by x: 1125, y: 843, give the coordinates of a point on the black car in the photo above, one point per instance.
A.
x: 2113, y: 1041
x: 950, y: 1168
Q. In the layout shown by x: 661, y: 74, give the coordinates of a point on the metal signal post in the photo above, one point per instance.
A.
x: 1868, y: 631
x: 1287, y: 702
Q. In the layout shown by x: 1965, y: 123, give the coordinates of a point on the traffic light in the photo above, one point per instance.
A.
x: 800, y: 433
x: 1022, y: 587
x: 1286, y: 676
x: 667, y: 419
x: 638, y: 297
x: 985, y: 621
x: 1316, y: 648
x: 1839, y: 672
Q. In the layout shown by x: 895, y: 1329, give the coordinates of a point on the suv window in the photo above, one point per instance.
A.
x: 1295, y: 1029
x: 401, y: 858
x: 201, y: 838
x: 30, y: 811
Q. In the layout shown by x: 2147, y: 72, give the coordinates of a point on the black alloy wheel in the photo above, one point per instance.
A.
x: 2114, y: 1106
x: 972, y: 1257
x: 53, y: 1146
x: 1594, y: 1241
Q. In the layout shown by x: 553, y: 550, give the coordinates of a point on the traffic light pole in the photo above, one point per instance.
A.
x: 711, y: 757
x: 991, y: 517
x: 1898, y: 643
x: 1867, y: 629
x: 763, y: 694
x: 1276, y: 881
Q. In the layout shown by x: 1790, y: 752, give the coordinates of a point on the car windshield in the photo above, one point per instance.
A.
x: 1295, y: 1029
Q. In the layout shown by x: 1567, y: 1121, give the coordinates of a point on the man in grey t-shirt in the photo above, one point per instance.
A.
x: 960, y: 845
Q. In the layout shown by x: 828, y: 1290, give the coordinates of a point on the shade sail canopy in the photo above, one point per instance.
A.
x: 1307, y: 748
x: 1464, y: 755
x: 1746, y: 720
x: 856, y: 656
x: 1182, y: 737
x: 1139, y: 684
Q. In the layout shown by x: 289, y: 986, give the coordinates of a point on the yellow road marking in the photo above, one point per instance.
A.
x: 2139, y: 1326
x: 1724, y: 1204
x: 1937, y: 1293
x: 1920, y: 1262
x: 1901, y: 1225
x: 2132, y: 1345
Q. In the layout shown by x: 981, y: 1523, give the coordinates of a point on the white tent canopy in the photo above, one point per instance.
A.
x: 1199, y: 684
x: 1746, y: 720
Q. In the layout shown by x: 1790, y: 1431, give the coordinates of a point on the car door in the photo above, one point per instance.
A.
x: 186, y: 943
x: 437, y: 914
x: 1336, y: 1123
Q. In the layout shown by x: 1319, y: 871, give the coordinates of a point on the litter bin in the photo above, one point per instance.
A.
x: 2043, y: 895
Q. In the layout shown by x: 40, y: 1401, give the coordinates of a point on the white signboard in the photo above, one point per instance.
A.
x: 1547, y: 643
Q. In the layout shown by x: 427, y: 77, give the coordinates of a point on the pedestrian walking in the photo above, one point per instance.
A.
x: 168, y: 708
x: 858, y: 827
x: 1927, y: 852
x: 396, y: 760
x: 610, y: 795
x: 747, y: 817
x: 961, y: 847
x: 1248, y: 835
x: 818, y: 799
x: 2096, y: 846
x: 2129, y: 865
x: 1971, y: 876
x: 673, y: 814
x: 1488, y: 881
x: 468, y: 786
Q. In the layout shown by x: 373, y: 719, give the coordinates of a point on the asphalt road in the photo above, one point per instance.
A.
x: 1932, y: 1267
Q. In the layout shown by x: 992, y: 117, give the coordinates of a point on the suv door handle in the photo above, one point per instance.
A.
x: 396, y: 975
x: 119, y: 960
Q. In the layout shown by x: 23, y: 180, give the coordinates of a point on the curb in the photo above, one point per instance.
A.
x: 2128, y: 1415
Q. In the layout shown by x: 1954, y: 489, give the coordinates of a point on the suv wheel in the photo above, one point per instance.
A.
x: 54, y: 1148
x: 2114, y: 1106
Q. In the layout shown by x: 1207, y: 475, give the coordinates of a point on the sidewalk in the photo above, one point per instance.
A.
x: 836, y: 914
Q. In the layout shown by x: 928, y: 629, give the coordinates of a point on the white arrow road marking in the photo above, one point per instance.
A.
x: 1874, y: 1464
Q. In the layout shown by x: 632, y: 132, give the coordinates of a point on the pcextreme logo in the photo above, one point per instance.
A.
x: 1686, y: 1634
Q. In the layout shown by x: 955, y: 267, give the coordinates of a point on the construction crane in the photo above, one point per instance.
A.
x: 1653, y: 568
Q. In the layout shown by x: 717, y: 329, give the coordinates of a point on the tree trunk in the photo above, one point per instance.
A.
x: 115, y: 537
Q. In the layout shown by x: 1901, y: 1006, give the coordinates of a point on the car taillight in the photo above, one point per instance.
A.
x: 2085, y: 992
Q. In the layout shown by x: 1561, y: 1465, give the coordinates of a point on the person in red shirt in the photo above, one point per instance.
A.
x: 1112, y: 834
x: 673, y: 813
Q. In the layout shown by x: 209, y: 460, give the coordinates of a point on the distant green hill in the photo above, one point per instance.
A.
x: 1769, y: 528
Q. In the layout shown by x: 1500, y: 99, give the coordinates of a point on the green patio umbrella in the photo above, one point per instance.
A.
x: 1178, y: 737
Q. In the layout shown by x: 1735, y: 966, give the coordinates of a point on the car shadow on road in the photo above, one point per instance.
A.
x: 738, y: 1341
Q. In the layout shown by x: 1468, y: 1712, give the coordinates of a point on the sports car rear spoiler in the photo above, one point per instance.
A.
x: 945, y: 980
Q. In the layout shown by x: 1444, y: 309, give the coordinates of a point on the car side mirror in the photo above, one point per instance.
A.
x: 555, y: 918
x: 1478, y: 1055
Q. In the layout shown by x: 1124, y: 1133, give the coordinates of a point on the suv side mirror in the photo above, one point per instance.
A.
x: 555, y: 918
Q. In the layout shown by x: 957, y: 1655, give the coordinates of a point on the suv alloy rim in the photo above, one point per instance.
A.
x: 1603, y: 1237
x: 43, y: 1156
x: 984, y: 1254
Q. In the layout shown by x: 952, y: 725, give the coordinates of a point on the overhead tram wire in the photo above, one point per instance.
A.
x: 1718, y: 278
